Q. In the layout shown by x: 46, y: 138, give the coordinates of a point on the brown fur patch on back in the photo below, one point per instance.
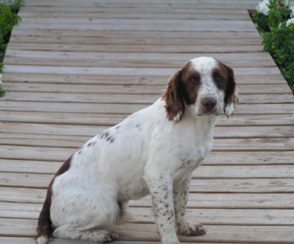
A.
x: 44, y: 222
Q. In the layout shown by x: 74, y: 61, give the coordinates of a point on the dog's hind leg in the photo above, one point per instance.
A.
x: 99, y: 236
x: 84, y: 213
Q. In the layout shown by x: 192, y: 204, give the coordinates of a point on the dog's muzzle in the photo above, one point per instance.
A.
x: 208, y: 106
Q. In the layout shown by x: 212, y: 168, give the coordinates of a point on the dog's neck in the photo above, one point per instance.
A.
x: 200, y: 125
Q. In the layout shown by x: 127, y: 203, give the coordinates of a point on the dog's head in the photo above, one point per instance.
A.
x: 204, y: 86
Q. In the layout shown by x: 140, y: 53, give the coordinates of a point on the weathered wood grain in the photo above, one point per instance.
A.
x: 75, y: 68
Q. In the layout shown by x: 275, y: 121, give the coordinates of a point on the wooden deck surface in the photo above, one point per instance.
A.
x: 73, y: 68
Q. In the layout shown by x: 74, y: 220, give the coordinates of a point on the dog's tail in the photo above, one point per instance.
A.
x: 45, y: 229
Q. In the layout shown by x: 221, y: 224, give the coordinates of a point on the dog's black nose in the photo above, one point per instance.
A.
x: 209, y: 104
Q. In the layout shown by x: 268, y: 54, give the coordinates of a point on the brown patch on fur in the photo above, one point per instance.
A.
x: 107, y: 137
x: 173, y: 97
x: 110, y: 139
x: 229, y: 83
x: 44, y: 222
x: 182, y: 88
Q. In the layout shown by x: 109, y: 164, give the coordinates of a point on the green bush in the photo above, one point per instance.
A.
x: 273, y: 20
x: 8, y: 18
x: 280, y: 43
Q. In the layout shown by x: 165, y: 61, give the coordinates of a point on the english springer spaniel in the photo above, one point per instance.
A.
x: 153, y: 151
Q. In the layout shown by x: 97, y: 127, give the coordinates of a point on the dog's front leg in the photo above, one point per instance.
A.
x: 160, y: 187
x: 180, y: 195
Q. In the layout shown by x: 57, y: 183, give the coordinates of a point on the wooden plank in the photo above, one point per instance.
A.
x: 214, y: 158
x: 65, y: 118
x: 24, y: 195
x: 254, y: 184
x: 131, y: 98
x: 196, y: 200
x: 133, y: 9
x: 112, y: 119
x: 106, y: 59
x: 218, y: 233
x: 199, y: 50
x: 204, y: 172
x: 103, y: 15
x: 152, y: 37
x: 231, y: 201
x: 29, y: 166
x: 106, y: 108
x: 232, y: 172
x: 147, y: 232
x: 55, y: 140
x: 22, y: 240
x: 40, y: 153
x: 170, y: 4
x: 124, y: 71
x: 217, y: 158
x: 117, y: 38
x: 17, y: 240
x: 198, y: 185
x: 86, y: 131
x: 139, y: 24
x: 204, y: 216
x: 36, y: 180
x: 130, y: 89
x: 126, y: 80
x: 84, y: 22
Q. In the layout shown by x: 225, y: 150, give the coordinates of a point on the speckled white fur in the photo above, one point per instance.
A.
x: 145, y: 153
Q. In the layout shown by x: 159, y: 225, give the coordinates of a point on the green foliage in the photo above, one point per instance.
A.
x: 277, y: 14
x: 280, y: 43
x: 2, y: 93
x: 14, y: 5
x: 278, y: 38
x: 8, y: 18
x: 261, y: 21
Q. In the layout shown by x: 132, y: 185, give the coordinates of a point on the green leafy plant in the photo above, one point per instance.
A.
x: 273, y: 20
x: 280, y: 43
x: 8, y: 18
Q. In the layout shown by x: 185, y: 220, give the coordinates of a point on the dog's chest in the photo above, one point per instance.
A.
x: 190, y: 159
x: 192, y: 152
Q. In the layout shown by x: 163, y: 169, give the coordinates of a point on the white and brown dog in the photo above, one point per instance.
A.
x: 153, y: 151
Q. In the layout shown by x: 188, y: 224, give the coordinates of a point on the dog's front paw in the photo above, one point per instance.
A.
x: 170, y: 238
x: 191, y: 230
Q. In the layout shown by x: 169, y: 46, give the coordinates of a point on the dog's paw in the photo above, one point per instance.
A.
x: 191, y: 230
x: 109, y: 237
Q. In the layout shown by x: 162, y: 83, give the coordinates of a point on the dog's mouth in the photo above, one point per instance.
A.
x: 203, y: 113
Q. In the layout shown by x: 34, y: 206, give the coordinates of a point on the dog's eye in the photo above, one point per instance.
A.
x: 219, y: 81
x: 218, y: 78
x: 194, y: 80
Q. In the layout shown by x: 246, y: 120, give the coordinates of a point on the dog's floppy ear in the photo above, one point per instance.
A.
x: 231, y: 96
x: 174, y: 98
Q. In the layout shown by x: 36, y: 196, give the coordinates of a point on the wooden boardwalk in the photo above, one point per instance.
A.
x: 73, y: 68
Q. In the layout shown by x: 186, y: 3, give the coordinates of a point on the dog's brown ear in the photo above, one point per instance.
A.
x: 174, y: 98
x: 230, y: 92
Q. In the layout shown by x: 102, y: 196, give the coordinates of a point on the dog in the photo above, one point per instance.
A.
x: 153, y: 151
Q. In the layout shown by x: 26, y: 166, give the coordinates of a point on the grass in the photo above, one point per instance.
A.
x: 8, y: 18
